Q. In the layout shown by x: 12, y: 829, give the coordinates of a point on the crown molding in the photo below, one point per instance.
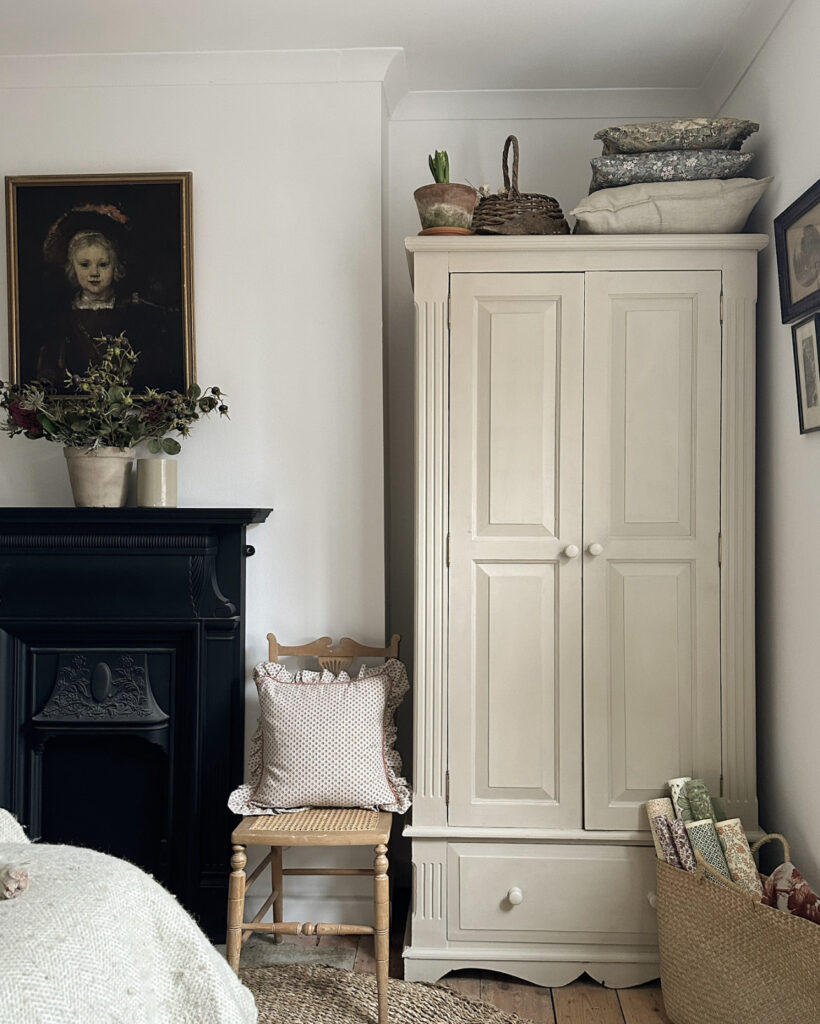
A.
x: 235, y: 67
x: 549, y: 104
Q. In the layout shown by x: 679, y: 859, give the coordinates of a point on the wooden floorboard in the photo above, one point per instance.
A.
x: 586, y: 1002
x: 465, y: 983
x: 512, y: 996
x: 643, y: 1005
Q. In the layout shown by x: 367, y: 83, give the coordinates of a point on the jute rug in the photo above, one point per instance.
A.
x: 307, y: 994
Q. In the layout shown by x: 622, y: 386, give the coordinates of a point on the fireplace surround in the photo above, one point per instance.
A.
x: 122, y: 667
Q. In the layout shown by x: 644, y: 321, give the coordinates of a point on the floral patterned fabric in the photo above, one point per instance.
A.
x: 683, y: 846
x: 786, y: 889
x: 699, y: 800
x: 742, y: 867
x: 330, y: 743
x: 654, y: 808
x: 685, y: 133
x: 662, y: 828
x: 677, y: 787
x: 677, y: 165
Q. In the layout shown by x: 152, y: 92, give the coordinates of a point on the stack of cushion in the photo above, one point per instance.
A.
x: 671, y: 176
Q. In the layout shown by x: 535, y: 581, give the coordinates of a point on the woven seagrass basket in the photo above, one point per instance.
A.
x: 726, y: 959
x: 518, y: 213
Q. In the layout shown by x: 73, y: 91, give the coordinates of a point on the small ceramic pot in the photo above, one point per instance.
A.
x: 157, y: 483
x: 99, y: 476
x: 446, y: 205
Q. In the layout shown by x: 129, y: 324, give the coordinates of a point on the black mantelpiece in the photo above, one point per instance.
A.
x: 122, y: 666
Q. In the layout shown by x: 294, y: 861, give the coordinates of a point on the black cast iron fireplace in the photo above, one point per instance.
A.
x: 122, y: 664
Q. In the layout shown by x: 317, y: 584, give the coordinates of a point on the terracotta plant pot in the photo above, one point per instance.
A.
x: 446, y: 205
x: 99, y: 476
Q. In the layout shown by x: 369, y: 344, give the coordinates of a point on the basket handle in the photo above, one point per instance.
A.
x: 511, y: 189
x: 787, y: 854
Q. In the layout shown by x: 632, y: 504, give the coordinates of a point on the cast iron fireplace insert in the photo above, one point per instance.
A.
x: 122, y: 668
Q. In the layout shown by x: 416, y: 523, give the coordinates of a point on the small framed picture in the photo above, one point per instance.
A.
x: 92, y: 256
x: 807, y: 370
x: 797, y: 241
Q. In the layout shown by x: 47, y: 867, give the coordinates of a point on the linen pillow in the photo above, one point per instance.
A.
x: 684, y: 133
x: 678, y: 165
x: 325, y: 741
x: 670, y: 207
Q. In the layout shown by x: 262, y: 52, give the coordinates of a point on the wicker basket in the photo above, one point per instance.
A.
x: 518, y: 213
x: 726, y: 959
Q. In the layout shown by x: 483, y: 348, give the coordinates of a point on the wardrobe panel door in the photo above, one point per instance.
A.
x: 652, y: 514
x: 514, y: 694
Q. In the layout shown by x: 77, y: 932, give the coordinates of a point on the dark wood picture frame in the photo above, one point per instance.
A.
x: 91, y: 256
x: 805, y: 336
x: 797, y: 242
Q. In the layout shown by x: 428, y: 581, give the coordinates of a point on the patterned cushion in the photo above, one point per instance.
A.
x: 685, y: 133
x: 788, y: 890
x: 679, y: 165
x: 329, y: 743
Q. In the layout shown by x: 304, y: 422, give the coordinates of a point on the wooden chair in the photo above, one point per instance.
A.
x: 314, y: 827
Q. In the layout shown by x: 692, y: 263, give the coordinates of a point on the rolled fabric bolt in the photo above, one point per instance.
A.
x: 739, y: 857
x: 683, y: 846
x: 703, y: 836
x: 662, y: 807
x: 663, y: 829
x: 699, y: 800
x: 13, y: 880
x: 676, y: 788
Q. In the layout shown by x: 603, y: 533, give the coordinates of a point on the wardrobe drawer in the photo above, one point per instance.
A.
x: 535, y: 892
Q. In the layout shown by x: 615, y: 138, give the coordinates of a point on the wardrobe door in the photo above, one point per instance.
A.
x: 514, y: 670
x: 651, y: 538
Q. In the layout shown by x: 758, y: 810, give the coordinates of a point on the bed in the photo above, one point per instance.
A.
x: 95, y: 940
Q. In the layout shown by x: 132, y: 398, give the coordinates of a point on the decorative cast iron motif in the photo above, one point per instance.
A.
x: 118, y: 692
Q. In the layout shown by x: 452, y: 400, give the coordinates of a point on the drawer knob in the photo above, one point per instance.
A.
x: 572, y: 551
x: 515, y: 896
x: 595, y: 549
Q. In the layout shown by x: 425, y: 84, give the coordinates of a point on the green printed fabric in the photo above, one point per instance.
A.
x: 703, y: 836
x: 699, y: 800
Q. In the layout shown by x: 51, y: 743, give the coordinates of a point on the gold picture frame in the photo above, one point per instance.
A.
x: 91, y: 256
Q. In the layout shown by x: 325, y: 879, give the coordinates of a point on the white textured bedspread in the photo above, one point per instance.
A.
x: 95, y: 940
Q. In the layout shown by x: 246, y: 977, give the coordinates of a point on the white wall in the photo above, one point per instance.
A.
x: 287, y: 294
x: 780, y: 91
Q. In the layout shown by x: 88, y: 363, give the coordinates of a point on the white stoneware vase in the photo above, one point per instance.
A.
x: 157, y: 483
x: 99, y: 476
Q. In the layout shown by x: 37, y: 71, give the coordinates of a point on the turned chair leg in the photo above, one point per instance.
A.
x: 236, y: 907
x: 381, y: 925
x: 276, y: 883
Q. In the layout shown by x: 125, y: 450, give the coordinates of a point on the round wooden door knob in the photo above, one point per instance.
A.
x: 595, y: 549
x: 572, y: 551
x: 515, y: 896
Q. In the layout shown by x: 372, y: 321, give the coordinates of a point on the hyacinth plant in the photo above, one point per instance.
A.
x: 103, y: 410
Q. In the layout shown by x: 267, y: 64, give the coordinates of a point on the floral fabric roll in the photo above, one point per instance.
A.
x: 703, y: 836
x: 739, y: 857
x: 679, y: 801
x: 663, y: 830
x: 683, y: 846
x: 700, y: 803
x: 662, y: 807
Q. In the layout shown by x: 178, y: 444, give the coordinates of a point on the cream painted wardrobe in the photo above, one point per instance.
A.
x: 584, y: 585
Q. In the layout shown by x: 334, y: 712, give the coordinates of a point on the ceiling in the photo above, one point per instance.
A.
x: 448, y: 44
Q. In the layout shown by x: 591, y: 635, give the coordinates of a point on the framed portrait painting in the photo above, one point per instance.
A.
x: 797, y: 241
x: 807, y: 371
x: 92, y: 256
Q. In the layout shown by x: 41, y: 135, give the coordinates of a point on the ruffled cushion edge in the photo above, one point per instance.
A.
x: 241, y: 799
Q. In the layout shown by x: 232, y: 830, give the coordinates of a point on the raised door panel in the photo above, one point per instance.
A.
x: 652, y: 507
x: 514, y: 669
